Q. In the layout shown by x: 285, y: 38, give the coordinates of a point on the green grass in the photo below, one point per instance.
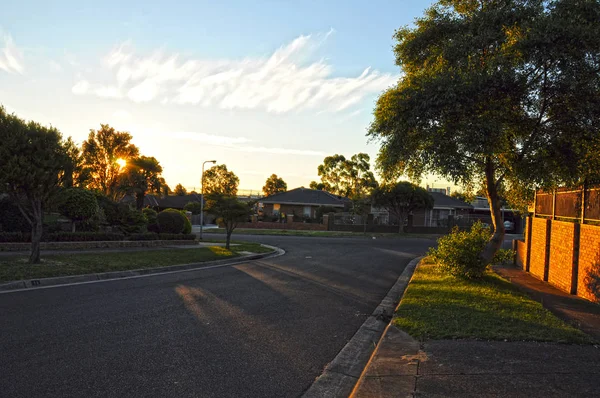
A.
x: 438, y: 306
x: 335, y: 234
x: 16, y: 267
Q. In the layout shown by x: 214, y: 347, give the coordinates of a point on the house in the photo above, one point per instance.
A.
x: 444, y: 207
x: 302, y: 202
x: 160, y: 203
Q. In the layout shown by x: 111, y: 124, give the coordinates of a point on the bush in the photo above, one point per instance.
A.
x: 151, y: 218
x: 194, y: 207
x: 171, y: 221
x: 144, y: 236
x: 11, y: 218
x: 458, y: 253
x: 83, y: 237
x: 187, y: 227
x: 15, y: 237
x: 78, y: 205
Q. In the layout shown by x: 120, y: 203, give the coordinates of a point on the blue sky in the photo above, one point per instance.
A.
x: 264, y: 87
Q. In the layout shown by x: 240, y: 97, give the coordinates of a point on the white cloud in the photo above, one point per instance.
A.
x: 284, y: 81
x: 280, y: 151
x: 211, y: 139
x: 11, y: 58
x: 84, y: 87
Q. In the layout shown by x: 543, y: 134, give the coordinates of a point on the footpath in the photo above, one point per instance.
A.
x: 404, y: 367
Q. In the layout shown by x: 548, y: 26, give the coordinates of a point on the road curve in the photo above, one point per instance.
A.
x: 266, y: 328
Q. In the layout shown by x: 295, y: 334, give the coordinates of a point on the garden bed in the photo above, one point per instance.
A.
x: 84, y: 245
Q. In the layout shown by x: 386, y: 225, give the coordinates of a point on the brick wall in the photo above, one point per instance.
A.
x: 538, y: 247
x: 521, y: 253
x: 589, y: 249
x: 560, y: 269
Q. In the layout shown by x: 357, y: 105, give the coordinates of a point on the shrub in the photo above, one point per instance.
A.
x: 11, y: 218
x: 187, y: 227
x: 144, y: 236
x: 592, y: 279
x: 171, y: 221
x: 83, y: 237
x: 15, y: 237
x: 78, y: 205
x: 151, y: 217
x: 458, y: 253
x: 194, y: 207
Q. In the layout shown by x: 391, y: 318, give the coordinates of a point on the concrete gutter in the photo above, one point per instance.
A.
x: 342, y: 374
x: 42, y: 283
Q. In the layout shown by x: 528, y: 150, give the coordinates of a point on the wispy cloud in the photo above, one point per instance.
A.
x: 284, y: 81
x: 11, y: 58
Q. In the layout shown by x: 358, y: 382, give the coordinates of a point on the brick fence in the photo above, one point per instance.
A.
x: 559, y: 252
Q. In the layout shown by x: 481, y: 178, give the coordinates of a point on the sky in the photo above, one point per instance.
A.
x: 261, y: 86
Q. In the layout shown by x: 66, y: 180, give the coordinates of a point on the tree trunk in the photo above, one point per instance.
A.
x: 72, y: 226
x: 36, y: 231
x: 229, y: 232
x: 139, y: 200
x: 495, y: 242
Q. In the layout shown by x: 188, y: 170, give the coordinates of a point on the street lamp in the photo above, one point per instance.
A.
x: 202, y: 196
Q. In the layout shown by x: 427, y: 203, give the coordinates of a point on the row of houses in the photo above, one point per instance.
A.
x: 305, y: 202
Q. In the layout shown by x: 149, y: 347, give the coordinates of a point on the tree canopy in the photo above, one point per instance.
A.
x: 218, y: 180
x: 101, y: 154
x: 141, y: 175
x: 346, y: 177
x: 274, y: 185
x: 77, y: 204
x: 501, y: 93
x: 33, y: 166
x: 230, y: 211
x: 402, y: 198
x: 180, y: 190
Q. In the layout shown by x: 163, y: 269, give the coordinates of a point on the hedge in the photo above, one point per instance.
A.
x: 155, y: 236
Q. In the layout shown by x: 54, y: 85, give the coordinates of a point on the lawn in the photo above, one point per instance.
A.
x: 16, y: 268
x: 438, y: 306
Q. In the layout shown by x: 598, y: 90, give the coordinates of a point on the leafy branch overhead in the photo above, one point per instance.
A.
x: 495, y: 92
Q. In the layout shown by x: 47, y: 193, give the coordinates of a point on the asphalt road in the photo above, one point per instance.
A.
x: 266, y: 328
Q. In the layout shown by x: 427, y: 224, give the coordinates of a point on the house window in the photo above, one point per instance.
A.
x: 276, y: 208
x: 307, y: 212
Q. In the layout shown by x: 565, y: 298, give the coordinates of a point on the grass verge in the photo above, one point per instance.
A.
x: 16, y: 267
x: 439, y: 306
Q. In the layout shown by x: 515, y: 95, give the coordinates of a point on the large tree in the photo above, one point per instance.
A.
x: 274, y: 185
x: 33, y: 161
x: 141, y: 176
x: 219, y: 180
x: 180, y: 190
x: 402, y: 198
x: 504, y: 93
x: 104, y: 153
x: 346, y: 177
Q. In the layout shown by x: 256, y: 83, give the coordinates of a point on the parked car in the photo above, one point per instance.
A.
x: 509, y: 226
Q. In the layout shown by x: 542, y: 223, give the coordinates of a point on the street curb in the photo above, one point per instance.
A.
x: 33, y: 284
x: 343, y: 373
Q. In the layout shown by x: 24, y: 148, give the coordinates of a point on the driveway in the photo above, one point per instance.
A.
x: 266, y: 328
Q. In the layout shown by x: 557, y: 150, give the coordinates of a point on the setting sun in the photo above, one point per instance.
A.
x: 121, y: 162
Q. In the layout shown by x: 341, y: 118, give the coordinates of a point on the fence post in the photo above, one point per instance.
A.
x: 553, y: 203
x: 548, y: 245
x: 575, y: 269
x: 583, y: 189
x: 528, y: 238
x: 534, y: 203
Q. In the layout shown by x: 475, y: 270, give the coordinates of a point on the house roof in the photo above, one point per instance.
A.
x: 308, y: 197
x: 171, y: 201
x: 443, y: 200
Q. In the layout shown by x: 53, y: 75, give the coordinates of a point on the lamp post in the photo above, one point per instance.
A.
x: 202, y: 196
